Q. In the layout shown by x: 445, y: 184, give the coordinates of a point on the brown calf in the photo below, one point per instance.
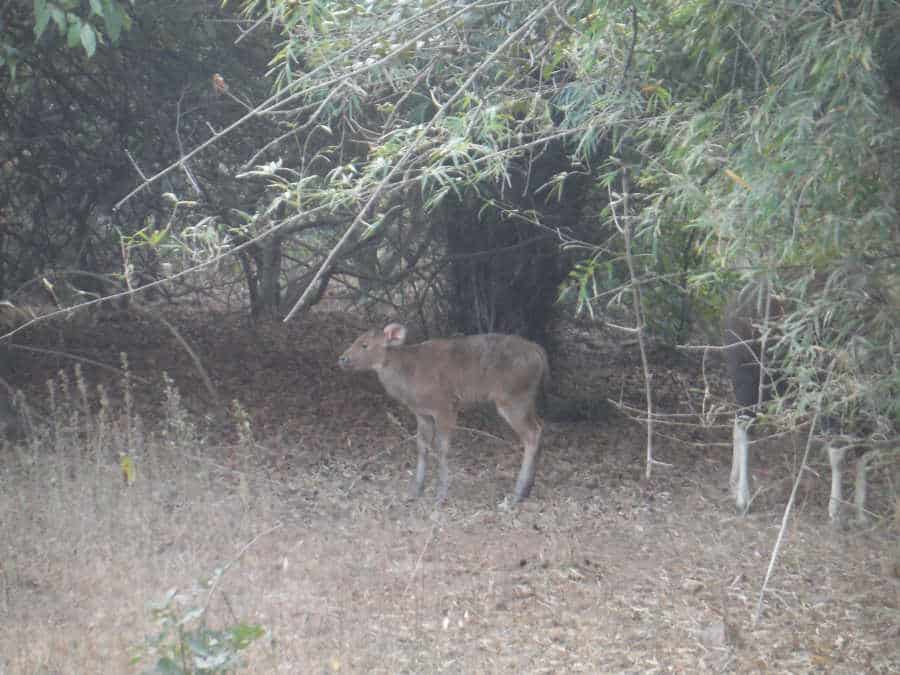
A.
x: 435, y: 378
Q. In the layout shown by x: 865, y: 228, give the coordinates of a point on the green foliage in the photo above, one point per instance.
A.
x: 757, y: 138
x: 778, y: 150
x: 74, y: 21
x: 761, y: 142
x: 362, y: 64
x: 185, y: 645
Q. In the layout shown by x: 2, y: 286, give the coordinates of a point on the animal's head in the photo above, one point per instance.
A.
x: 369, y: 350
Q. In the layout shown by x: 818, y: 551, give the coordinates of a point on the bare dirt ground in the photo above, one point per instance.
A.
x: 307, y: 522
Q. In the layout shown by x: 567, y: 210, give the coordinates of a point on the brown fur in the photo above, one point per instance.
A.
x: 435, y: 378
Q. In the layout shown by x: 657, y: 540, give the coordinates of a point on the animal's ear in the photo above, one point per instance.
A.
x: 394, y: 334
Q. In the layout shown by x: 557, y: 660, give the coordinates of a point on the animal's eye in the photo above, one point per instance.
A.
x: 365, y: 345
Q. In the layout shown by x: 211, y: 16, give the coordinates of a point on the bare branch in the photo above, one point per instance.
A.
x: 787, y: 509
x: 625, y: 228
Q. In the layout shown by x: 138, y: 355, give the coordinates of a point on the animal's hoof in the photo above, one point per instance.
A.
x: 521, y: 493
x: 742, y: 503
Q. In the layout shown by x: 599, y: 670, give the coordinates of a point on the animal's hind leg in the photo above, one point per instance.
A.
x: 859, y: 495
x: 527, y: 425
x: 444, y: 426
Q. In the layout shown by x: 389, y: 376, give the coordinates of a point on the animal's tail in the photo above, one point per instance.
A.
x: 545, y: 376
x: 542, y: 394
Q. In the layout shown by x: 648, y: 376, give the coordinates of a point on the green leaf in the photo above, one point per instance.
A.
x: 96, y: 8
x: 88, y: 39
x: 114, y: 18
x: 166, y: 666
x: 41, y: 17
x: 73, y: 35
x: 243, y: 634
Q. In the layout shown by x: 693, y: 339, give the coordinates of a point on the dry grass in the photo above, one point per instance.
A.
x: 598, y: 572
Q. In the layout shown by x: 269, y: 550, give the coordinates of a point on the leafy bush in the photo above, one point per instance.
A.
x: 185, y: 644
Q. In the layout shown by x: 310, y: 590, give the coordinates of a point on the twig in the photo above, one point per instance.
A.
x: 640, y: 415
x: 198, y: 364
x: 159, y: 282
x: 634, y: 36
x: 184, y: 164
x: 371, y: 459
x: 74, y: 357
x: 418, y: 564
x: 207, y: 382
x: 231, y: 562
x: 256, y: 24
x: 306, y: 125
x: 135, y: 165
x: 625, y: 228
x: 791, y: 499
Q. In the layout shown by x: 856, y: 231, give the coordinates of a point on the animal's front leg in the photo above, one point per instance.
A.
x: 836, y: 456
x: 740, y: 464
x: 424, y: 441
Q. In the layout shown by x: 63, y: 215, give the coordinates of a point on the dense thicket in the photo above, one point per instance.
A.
x: 755, y: 142
x: 463, y: 162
